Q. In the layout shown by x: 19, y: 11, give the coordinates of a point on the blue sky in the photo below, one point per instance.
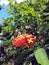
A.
x: 4, y: 14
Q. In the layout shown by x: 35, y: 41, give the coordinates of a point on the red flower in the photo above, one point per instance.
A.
x: 19, y: 41
x: 25, y: 39
x: 30, y: 39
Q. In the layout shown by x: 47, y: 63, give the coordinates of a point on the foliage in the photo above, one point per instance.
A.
x: 27, y: 17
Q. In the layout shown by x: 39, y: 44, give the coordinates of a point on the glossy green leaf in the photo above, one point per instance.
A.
x: 41, y: 56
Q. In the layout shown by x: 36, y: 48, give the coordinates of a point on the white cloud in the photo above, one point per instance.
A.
x: 4, y: 2
x: 18, y: 1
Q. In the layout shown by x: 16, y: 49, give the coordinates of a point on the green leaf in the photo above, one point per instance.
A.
x: 41, y: 56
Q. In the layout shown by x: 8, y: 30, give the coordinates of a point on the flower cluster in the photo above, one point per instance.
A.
x: 24, y: 40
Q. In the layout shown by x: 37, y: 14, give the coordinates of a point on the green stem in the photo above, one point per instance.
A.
x: 41, y: 56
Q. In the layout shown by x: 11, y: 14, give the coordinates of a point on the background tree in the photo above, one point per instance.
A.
x: 27, y: 17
